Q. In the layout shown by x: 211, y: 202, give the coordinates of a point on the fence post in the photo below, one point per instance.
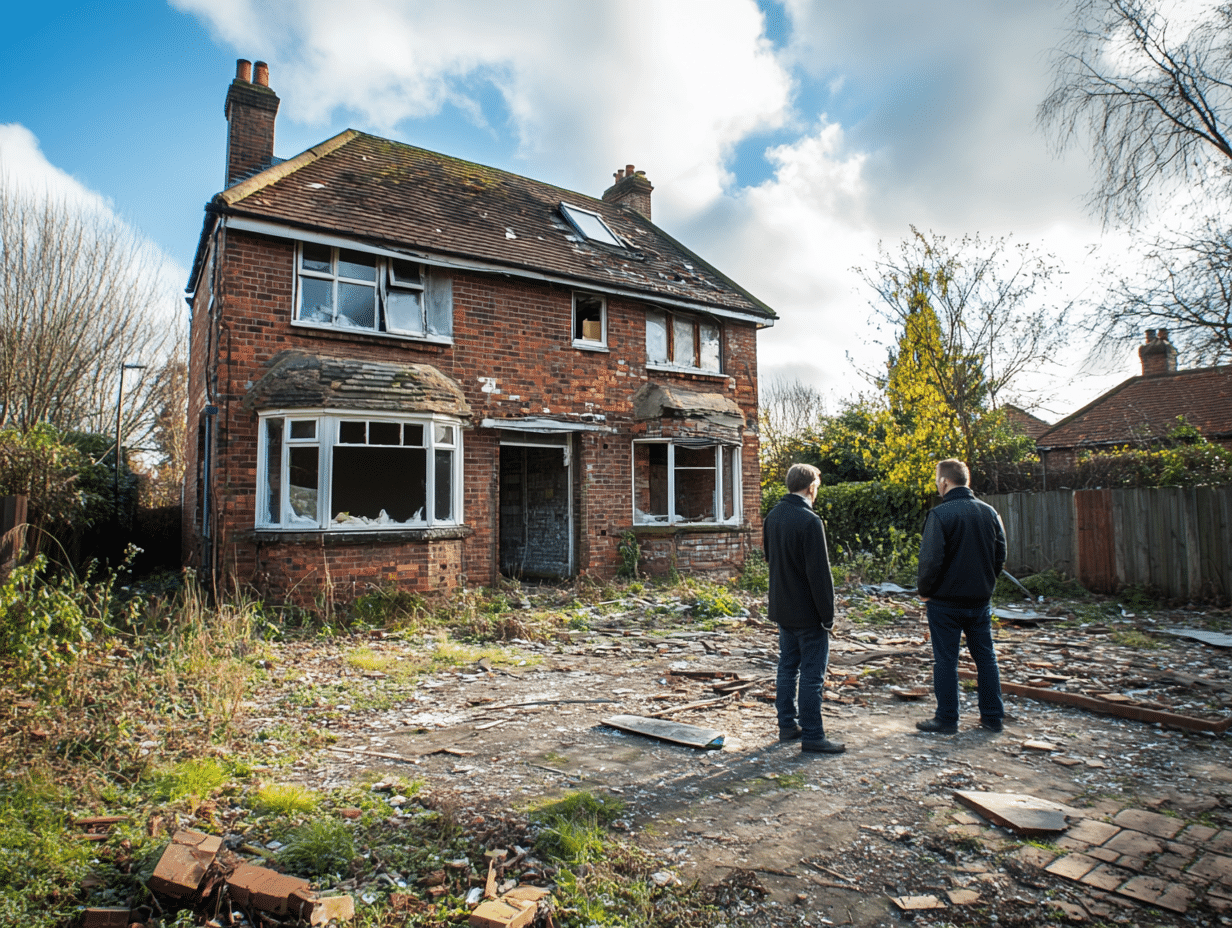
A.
x: 12, y: 531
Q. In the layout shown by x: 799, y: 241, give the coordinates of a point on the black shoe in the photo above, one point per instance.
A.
x: 993, y: 725
x: 938, y: 728
x: 824, y: 746
x: 790, y: 734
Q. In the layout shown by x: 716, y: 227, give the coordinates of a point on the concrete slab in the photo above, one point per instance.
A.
x: 675, y: 732
x: 1152, y: 823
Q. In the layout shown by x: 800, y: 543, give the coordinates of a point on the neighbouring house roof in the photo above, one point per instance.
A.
x: 298, y: 380
x: 408, y: 199
x: 1025, y: 422
x: 1146, y: 408
x: 656, y: 401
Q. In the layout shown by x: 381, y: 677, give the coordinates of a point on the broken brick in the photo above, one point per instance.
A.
x: 183, y: 864
x: 315, y: 909
x: 264, y: 889
x: 106, y: 917
x: 495, y: 913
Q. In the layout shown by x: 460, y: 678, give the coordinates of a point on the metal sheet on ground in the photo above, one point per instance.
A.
x: 1217, y: 639
x: 675, y: 732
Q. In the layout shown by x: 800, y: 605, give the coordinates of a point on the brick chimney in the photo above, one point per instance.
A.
x: 631, y: 189
x: 1158, y: 356
x: 250, y: 109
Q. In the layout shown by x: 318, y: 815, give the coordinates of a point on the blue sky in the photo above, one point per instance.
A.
x: 785, y: 139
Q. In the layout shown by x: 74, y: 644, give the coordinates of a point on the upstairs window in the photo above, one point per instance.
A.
x: 681, y: 482
x: 344, y: 289
x: 590, y: 225
x: 589, y: 320
x: 676, y: 340
x: 349, y: 472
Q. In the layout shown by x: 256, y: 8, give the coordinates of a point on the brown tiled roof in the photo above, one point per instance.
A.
x: 1144, y: 408
x: 298, y: 380
x: 1025, y: 422
x: 409, y: 199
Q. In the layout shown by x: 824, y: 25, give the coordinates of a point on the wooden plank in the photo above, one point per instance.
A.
x: 1119, y: 534
x: 675, y: 732
x: 1022, y: 814
x: 1193, y: 547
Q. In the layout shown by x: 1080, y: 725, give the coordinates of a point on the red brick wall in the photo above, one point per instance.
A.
x: 520, y: 334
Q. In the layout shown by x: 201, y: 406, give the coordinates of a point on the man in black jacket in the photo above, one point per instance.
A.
x: 802, y: 605
x: 961, y: 554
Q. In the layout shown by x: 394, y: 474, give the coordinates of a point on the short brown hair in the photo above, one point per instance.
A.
x: 801, y: 477
x: 954, y: 471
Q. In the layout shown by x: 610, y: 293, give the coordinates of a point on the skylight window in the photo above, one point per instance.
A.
x: 590, y: 225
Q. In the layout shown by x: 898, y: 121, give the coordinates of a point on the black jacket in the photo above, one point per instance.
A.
x: 801, y: 588
x: 963, y: 550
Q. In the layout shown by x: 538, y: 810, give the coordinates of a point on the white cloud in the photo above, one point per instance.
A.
x: 589, y: 87
x: 25, y: 169
x: 23, y: 164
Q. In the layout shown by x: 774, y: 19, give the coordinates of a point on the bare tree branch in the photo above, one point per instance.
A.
x: 1150, y: 95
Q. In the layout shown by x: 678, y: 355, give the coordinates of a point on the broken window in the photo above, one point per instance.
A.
x: 345, y: 289
x: 354, y: 472
x: 590, y: 225
x: 589, y: 319
x: 677, y: 340
x: 685, y: 481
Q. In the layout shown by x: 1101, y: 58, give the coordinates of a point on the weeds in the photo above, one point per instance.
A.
x: 286, y: 800
x: 1135, y: 638
x: 572, y: 828
x: 317, y: 848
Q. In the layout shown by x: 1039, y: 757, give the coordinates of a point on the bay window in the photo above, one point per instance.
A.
x: 685, y: 481
x: 358, y: 471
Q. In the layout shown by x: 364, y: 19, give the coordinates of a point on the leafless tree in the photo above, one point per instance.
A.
x: 165, y: 473
x: 80, y: 295
x: 1148, y: 86
x: 790, y: 411
x: 1183, y: 283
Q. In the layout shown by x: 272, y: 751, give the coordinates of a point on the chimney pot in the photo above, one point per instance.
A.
x: 243, y: 70
x: 1150, y: 335
x: 1163, y: 335
x: 261, y: 78
x: 628, y: 170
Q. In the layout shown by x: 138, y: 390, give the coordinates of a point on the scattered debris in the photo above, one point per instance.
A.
x: 917, y: 903
x: 1022, y: 814
x: 676, y: 732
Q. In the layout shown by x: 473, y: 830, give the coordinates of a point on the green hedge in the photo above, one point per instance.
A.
x: 859, y: 516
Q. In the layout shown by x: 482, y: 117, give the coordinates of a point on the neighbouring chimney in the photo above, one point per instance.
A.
x: 631, y: 189
x: 1157, y: 355
x: 250, y: 109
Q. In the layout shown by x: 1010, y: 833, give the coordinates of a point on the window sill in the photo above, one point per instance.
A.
x: 693, y: 372
x: 336, y: 331
x: 370, y: 537
x: 591, y: 346
x: 684, y: 528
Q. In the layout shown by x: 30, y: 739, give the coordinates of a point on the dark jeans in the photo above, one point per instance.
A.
x: 946, y: 626
x: 803, y: 654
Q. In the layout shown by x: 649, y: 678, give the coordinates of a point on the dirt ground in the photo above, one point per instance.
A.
x: 816, y: 839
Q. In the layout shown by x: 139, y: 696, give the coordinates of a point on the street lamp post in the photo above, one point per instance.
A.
x: 119, y: 406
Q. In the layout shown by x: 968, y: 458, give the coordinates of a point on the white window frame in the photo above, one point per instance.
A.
x: 384, y: 284
x: 326, y: 438
x: 698, y: 323
x: 724, y: 454
x: 580, y: 341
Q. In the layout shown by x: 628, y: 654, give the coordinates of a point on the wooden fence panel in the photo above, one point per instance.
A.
x: 1096, y: 540
x: 1176, y: 541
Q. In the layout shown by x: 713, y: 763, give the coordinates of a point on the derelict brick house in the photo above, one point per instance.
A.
x: 411, y: 370
x: 1142, y: 411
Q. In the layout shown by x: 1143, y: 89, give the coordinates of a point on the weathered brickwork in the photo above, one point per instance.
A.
x: 513, y: 356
